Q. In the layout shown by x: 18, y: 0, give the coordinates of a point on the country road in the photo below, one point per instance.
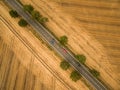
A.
x: 52, y: 41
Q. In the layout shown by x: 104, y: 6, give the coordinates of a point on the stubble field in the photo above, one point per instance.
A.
x: 20, y: 69
x: 102, y: 20
x: 92, y: 28
x: 26, y: 63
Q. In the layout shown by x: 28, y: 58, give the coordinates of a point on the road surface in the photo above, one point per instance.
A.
x: 52, y: 41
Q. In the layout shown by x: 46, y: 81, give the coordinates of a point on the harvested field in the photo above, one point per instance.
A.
x: 20, y: 69
x: 102, y: 20
x: 26, y: 63
x: 92, y: 28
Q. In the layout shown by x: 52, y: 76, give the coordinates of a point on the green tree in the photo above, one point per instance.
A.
x: 63, y: 40
x: 22, y: 23
x: 75, y: 76
x: 28, y: 8
x: 95, y: 73
x: 64, y: 65
x: 13, y: 13
x: 80, y: 58
x: 43, y: 19
x: 36, y: 15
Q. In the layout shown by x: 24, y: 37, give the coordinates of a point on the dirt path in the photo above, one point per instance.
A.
x: 80, y: 41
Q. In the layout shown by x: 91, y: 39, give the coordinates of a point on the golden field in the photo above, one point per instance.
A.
x: 26, y: 63
x: 92, y: 28
x: 102, y: 20
x: 20, y: 69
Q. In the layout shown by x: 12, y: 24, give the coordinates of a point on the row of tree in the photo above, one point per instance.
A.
x: 80, y: 57
x: 21, y: 22
x: 75, y: 76
x: 35, y: 14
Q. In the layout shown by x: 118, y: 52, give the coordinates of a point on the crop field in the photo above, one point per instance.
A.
x: 13, y: 75
x: 102, y: 19
x: 26, y: 63
x: 92, y: 28
x: 20, y: 69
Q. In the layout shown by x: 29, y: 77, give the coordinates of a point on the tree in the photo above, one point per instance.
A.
x: 28, y: 8
x: 13, y: 13
x: 80, y: 58
x: 36, y: 15
x: 63, y: 40
x: 22, y: 23
x: 75, y: 76
x: 43, y: 19
x: 95, y: 73
x: 64, y: 65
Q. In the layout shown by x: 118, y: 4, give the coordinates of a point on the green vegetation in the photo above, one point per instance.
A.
x: 43, y: 20
x: 63, y: 40
x: 13, y: 13
x: 95, y: 73
x: 64, y: 65
x: 35, y: 14
x: 81, y: 58
x: 28, y: 8
x: 22, y: 23
x: 75, y: 76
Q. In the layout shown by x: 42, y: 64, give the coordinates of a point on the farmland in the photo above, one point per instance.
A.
x: 20, y: 69
x: 102, y: 20
x: 26, y: 63
x: 92, y: 29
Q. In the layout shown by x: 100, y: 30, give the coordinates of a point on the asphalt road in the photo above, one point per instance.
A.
x: 52, y: 41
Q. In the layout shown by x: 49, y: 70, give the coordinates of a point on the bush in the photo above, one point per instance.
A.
x: 43, y: 19
x: 22, y: 23
x: 28, y: 8
x: 75, y: 76
x: 80, y: 58
x: 36, y: 15
x: 64, y: 65
x: 13, y: 13
x: 95, y: 73
x: 63, y: 40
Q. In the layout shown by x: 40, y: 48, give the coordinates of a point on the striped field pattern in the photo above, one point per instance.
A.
x: 99, y: 17
x: 20, y: 69
x: 102, y: 19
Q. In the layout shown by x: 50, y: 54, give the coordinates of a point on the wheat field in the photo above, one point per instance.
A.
x: 26, y: 63
x: 20, y: 69
x: 102, y: 19
x: 95, y: 24
x: 15, y: 76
